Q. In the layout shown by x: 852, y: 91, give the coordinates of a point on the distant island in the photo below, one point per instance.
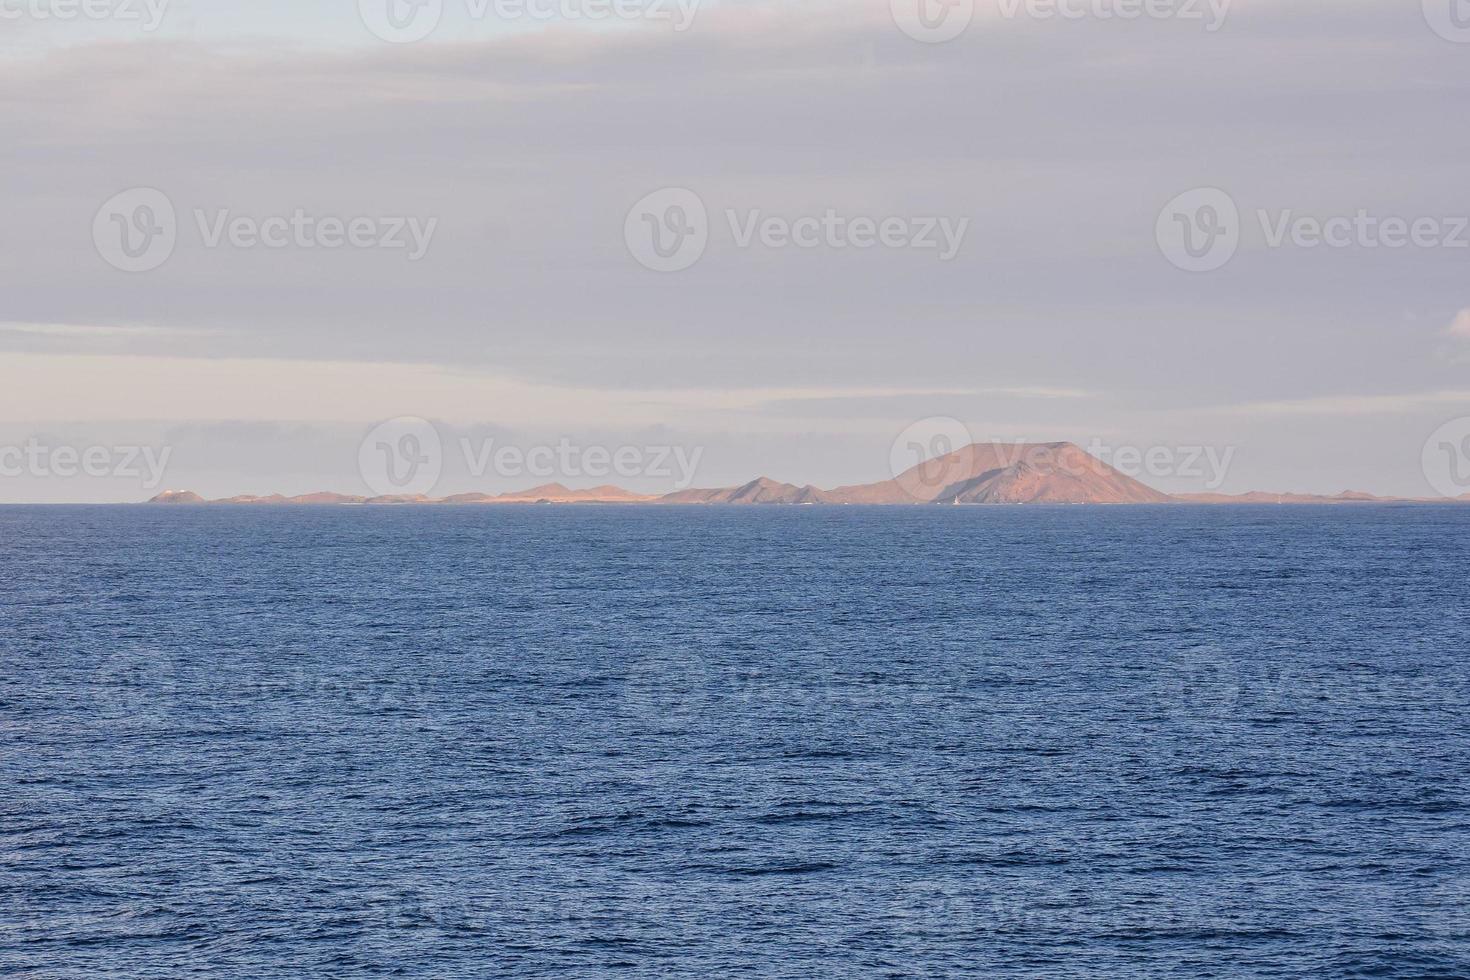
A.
x: 982, y: 473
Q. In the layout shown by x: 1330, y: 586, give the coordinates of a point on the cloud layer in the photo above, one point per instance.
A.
x: 1059, y: 141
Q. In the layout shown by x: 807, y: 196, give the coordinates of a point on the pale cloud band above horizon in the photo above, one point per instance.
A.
x: 515, y: 151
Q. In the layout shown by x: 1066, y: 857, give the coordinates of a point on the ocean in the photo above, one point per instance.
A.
x: 715, y: 742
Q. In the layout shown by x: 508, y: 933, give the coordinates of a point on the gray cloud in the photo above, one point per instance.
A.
x: 1059, y: 141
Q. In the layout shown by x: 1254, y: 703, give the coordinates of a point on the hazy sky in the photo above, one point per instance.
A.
x: 1049, y: 147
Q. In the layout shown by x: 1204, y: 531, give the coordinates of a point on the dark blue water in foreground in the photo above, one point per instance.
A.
x: 806, y: 742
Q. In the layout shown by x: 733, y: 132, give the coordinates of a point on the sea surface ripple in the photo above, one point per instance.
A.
x: 275, y: 742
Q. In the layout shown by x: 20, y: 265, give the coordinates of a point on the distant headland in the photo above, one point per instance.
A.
x: 982, y: 473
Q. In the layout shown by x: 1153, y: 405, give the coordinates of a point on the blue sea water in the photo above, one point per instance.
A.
x: 785, y: 742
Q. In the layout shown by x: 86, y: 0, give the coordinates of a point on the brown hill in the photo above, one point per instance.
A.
x: 549, y: 491
x: 612, y: 495
x: 761, y: 491
x: 324, y: 497
x: 177, y: 497
x: 470, y: 498
x: 997, y: 473
x: 399, y: 498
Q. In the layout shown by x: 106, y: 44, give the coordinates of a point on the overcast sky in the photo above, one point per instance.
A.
x: 1049, y: 148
